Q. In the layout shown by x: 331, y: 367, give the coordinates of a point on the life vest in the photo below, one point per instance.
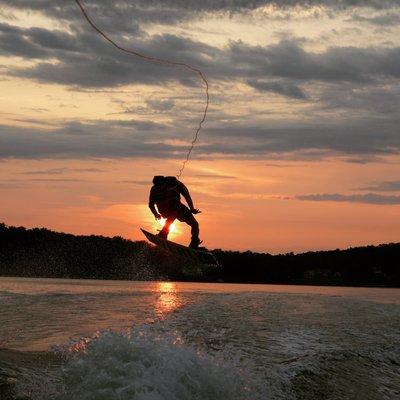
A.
x: 166, y: 191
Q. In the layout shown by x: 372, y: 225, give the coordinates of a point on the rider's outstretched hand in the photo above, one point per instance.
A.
x: 195, y: 211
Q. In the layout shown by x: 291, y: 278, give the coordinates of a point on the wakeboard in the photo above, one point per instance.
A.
x: 197, y: 255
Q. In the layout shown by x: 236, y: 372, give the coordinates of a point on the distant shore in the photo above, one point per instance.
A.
x: 40, y: 252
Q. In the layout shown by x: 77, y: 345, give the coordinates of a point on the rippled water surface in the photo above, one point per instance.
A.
x: 168, y: 340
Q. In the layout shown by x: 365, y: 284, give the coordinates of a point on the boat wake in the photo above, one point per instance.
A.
x: 224, y: 346
x: 144, y: 364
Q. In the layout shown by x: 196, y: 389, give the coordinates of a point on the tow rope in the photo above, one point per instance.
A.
x: 160, y: 61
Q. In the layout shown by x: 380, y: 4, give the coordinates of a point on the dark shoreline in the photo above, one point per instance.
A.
x: 41, y: 253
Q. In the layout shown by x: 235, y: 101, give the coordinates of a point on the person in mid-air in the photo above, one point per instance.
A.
x: 166, y: 195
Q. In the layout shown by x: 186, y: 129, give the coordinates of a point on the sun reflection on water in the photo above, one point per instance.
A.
x: 168, y: 300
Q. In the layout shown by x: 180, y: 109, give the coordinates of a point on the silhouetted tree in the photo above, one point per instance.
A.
x: 40, y: 252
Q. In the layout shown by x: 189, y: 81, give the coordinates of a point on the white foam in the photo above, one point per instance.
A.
x: 143, y: 365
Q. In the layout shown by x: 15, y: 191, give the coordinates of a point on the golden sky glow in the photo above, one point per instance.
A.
x: 300, y: 150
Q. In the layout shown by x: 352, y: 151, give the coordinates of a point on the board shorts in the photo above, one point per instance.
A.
x: 177, y: 211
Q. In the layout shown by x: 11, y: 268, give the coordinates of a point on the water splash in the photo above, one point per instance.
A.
x: 146, y: 365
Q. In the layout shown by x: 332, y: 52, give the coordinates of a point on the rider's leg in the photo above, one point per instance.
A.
x: 191, y: 221
x: 165, y: 230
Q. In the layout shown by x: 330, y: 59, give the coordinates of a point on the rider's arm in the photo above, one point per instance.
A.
x: 152, y: 205
x: 185, y: 193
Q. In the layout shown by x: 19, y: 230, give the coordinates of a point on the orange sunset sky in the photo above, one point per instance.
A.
x: 300, y: 150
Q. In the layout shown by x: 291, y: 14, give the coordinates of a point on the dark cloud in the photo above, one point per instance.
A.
x: 370, y: 137
x: 389, y: 186
x: 215, y: 5
x: 105, y: 13
x: 356, y: 80
x: 284, y: 88
x: 288, y: 59
x: 101, y: 127
x: 93, y: 140
x: 161, y: 105
x: 83, y: 59
x: 365, y: 159
x: 35, y: 42
x: 173, y: 10
x: 381, y: 99
x: 116, y: 139
x: 369, y: 198
x: 385, y: 20
x: 86, y: 60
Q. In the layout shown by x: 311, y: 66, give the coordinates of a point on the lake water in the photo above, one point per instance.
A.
x: 166, y: 340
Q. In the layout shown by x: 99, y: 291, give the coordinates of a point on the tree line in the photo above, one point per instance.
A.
x: 40, y: 252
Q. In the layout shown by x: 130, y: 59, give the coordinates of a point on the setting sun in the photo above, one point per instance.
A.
x: 161, y: 222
